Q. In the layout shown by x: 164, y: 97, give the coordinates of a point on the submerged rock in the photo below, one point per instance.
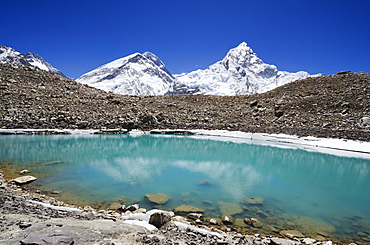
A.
x: 314, y: 226
x: 240, y: 223
x: 185, y: 209
x: 115, y: 206
x: 256, y: 223
x: 204, y: 182
x: 262, y: 214
x: 158, y: 198
x: 254, y: 201
x: 229, y: 208
x: 271, y: 228
x: 24, y: 179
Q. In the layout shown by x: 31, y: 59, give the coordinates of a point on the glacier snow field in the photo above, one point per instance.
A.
x: 311, y: 192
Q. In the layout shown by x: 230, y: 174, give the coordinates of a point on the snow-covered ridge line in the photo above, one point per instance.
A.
x: 10, y: 56
x: 239, y: 72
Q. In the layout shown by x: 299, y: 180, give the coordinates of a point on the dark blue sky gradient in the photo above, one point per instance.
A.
x: 78, y: 36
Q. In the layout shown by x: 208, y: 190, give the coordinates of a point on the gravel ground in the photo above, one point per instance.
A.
x: 336, y: 106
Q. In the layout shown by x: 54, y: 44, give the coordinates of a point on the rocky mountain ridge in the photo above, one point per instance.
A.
x: 10, y: 56
x: 329, y: 106
x: 239, y: 72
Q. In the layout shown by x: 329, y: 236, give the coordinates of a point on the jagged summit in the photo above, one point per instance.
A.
x: 242, y: 50
x: 10, y: 56
x: 239, y: 72
x: 244, y: 57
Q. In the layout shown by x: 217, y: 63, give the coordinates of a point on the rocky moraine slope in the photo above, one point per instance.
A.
x: 329, y: 106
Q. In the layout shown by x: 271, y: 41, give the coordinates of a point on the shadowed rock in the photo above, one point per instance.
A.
x: 159, y: 219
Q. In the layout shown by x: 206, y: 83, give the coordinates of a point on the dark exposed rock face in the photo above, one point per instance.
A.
x: 159, y: 219
x: 331, y: 106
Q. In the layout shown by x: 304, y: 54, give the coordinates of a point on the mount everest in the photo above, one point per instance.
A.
x: 10, y: 56
x: 136, y: 74
x: 239, y: 72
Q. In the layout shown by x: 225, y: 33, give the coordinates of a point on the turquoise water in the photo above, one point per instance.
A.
x: 294, y: 183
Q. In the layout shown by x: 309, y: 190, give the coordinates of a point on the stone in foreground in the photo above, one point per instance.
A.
x: 24, y: 179
x: 159, y: 219
x: 281, y: 241
x: 158, y: 198
x: 227, y: 220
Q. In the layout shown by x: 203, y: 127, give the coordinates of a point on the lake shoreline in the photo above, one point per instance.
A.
x: 26, y: 213
x: 328, y: 145
x: 282, y: 140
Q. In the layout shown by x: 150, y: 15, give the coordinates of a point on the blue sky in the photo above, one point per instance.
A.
x: 318, y: 36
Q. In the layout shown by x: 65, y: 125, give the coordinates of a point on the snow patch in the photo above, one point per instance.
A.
x: 46, y: 205
x: 142, y: 223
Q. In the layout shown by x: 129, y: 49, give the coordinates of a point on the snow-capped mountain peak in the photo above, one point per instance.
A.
x: 10, y: 56
x: 239, y: 72
x: 243, y: 57
x: 136, y: 74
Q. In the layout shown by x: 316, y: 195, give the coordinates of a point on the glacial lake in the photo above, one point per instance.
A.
x: 321, y: 195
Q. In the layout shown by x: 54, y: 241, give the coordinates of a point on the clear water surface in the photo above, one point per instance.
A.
x: 318, y: 194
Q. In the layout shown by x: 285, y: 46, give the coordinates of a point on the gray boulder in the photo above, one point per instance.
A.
x: 24, y: 179
x: 47, y: 238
